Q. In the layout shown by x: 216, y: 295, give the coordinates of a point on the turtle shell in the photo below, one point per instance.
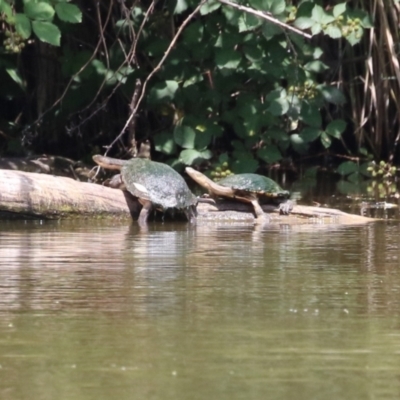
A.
x: 158, y: 183
x: 254, y: 184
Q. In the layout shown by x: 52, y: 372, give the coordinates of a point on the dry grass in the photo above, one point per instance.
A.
x: 371, y: 78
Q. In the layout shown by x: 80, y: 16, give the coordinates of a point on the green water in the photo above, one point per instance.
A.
x: 95, y: 310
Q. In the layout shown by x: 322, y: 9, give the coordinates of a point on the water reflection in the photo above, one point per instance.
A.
x: 227, y: 311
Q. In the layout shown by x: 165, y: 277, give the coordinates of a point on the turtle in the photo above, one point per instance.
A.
x: 156, y: 185
x: 247, y: 188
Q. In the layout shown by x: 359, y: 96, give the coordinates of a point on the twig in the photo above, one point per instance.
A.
x: 267, y: 16
x: 146, y: 17
x: 72, y: 79
x: 152, y: 73
x: 132, y: 126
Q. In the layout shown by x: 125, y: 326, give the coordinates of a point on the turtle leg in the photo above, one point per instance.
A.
x: 145, y: 211
x: 286, y: 207
x: 190, y: 213
x: 260, y: 214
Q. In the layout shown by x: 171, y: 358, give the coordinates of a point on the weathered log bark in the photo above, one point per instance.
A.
x: 33, y: 195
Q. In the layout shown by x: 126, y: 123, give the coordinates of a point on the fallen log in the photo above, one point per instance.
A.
x: 25, y: 195
x: 34, y: 195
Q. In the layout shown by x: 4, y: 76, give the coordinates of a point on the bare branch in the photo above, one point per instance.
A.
x: 155, y: 70
x: 72, y: 79
x: 132, y: 125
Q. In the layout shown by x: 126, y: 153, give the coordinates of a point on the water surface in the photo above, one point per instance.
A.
x: 103, y: 310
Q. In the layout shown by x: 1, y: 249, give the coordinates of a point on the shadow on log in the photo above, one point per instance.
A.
x: 25, y: 195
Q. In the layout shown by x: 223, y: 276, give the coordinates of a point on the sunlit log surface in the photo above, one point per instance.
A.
x: 33, y: 195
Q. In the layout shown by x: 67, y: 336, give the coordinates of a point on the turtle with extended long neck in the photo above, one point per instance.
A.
x: 247, y: 188
x: 156, y: 185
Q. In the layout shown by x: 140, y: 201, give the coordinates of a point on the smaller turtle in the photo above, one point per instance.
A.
x: 156, y: 185
x: 247, y: 188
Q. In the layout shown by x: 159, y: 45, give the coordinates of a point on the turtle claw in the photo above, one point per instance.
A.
x: 286, y: 207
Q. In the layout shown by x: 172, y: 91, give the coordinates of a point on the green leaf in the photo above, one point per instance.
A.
x: 363, y: 169
x: 269, y: 30
x: 318, y: 14
x: 333, y: 31
x: 276, y: 134
x: 311, y: 115
x: 72, y: 63
x: 366, y: 22
x: 339, y: 9
x: 316, y: 66
x: 191, y: 156
x: 253, y: 53
x: 193, y: 80
x: 304, y: 23
x: 326, y: 140
x: 270, y: 154
x: 23, y: 25
x: 205, y: 133
x: 227, y: 58
x: 327, y: 19
x: 356, y: 177
x: 245, y: 165
x: 99, y: 66
x: 317, y: 52
x: 164, y: 142
x: 224, y: 157
x: 332, y: 94
x: 298, y: 143
x: 363, y: 16
x: 47, y: 32
x: 193, y: 34
x: 40, y: 11
x: 310, y: 134
x: 179, y: 7
x: 184, y: 136
x: 209, y: 7
x: 227, y: 41
x: 355, y: 37
x: 278, y: 102
x: 277, y: 7
x: 231, y: 15
x: 163, y: 91
x: 348, y: 167
x: 68, y: 13
x: 248, y: 22
x: 350, y: 188
x: 278, y: 107
x: 6, y: 9
x: 15, y: 76
x: 316, y: 28
x: 336, y: 128
x: 246, y: 107
x: 203, y: 139
x: 304, y: 8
